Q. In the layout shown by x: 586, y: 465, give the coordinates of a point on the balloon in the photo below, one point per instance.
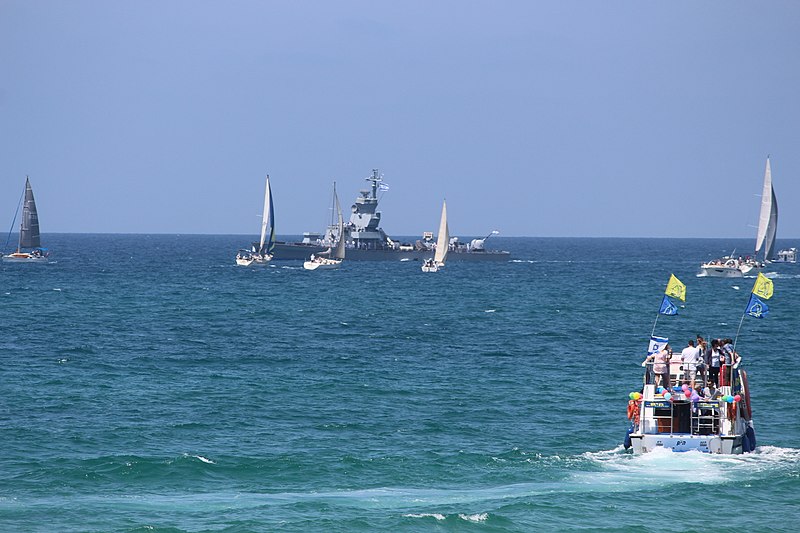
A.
x: 637, y: 396
x: 737, y: 398
x: 730, y: 399
x: 684, y: 387
x: 660, y: 390
x: 631, y: 395
x: 667, y: 396
x: 688, y: 393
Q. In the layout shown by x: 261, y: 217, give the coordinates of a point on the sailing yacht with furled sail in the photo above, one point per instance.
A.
x: 260, y: 253
x: 28, y: 232
x: 319, y: 261
x: 736, y: 267
x: 442, y: 244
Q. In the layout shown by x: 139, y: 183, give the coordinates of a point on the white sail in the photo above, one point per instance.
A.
x: 340, y: 245
x: 768, y: 217
x: 443, y: 240
x: 264, y: 218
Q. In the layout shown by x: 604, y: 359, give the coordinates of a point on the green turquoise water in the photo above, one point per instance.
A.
x: 149, y: 384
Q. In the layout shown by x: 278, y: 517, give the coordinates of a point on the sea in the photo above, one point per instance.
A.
x: 148, y: 384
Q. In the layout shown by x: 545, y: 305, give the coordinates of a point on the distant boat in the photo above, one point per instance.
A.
x: 737, y: 267
x: 319, y: 261
x: 260, y: 253
x: 787, y: 255
x: 28, y: 232
x: 442, y: 245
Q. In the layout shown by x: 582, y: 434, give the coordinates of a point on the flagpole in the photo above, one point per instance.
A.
x: 654, y: 325
x: 738, y: 330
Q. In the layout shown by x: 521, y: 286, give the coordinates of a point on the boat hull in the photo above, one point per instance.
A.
x: 725, y: 444
x: 327, y: 265
x: 253, y: 261
x: 720, y: 272
x: 299, y: 251
x: 24, y: 258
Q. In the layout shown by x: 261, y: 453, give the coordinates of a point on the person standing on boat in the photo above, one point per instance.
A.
x: 660, y: 361
x: 714, y: 362
x: 730, y: 359
x: 705, y: 356
x: 690, y: 357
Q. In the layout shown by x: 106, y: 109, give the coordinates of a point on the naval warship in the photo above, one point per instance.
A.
x: 366, y: 241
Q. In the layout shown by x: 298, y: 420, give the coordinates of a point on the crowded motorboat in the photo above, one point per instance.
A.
x: 696, y: 399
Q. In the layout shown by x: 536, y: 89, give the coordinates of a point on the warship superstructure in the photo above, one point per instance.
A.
x: 366, y: 241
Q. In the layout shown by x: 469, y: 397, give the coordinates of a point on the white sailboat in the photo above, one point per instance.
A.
x: 442, y: 245
x: 260, y: 253
x: 737, y: 267
x: 320, y: 261
x: 767, y: 219
x: 28, y: 232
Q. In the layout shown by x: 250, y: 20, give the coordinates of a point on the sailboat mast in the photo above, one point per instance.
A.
x: 264, y: 217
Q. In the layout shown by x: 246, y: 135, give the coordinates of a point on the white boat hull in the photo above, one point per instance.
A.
x: 726, y: 444
x: 24, y: 258
x: 720, y: 271
x: 326, y: 264
x: 253, y: 261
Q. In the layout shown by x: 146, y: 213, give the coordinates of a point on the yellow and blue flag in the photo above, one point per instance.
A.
x: 667, y: 307
x: 676, y: 288
x: 756, y: 308
x: 763, y: 287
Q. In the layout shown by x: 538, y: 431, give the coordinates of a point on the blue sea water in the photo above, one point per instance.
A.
x: 149, y: 384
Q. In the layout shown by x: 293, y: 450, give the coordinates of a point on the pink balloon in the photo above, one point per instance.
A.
x: 737, y: 397
x: 688, y: 393
x: 684, y: 386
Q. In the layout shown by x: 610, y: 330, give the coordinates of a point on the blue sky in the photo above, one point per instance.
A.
x: 548, y: 118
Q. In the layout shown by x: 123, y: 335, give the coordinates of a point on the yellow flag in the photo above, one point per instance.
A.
x: 763, y: 287
x: 676, y: 289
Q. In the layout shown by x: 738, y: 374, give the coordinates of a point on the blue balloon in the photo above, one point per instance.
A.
x: 729, y: 399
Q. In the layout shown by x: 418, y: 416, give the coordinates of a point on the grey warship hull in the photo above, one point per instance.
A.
x: 301, y: 251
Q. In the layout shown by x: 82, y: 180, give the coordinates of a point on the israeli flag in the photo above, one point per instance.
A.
x: 657, y: 344
x: 756, y: 308
x: 667, y: 307
x: 383, y: 186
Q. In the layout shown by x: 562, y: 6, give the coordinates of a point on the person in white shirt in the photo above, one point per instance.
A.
x: 690, y: 357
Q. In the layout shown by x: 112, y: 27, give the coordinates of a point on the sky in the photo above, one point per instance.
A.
x: 553, y: 118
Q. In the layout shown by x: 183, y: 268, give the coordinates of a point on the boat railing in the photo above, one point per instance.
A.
x: 678, y: 374
x: 704, y: 417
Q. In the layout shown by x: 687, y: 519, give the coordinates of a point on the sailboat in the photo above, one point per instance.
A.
x: 442, y: 245
x: 260, y: 253
x: 767, y: 219
x: 319, y: 261
x: 28, y: 232
x: 736, y: 267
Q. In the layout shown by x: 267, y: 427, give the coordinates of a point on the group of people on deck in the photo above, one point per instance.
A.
x: 713, y: 363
